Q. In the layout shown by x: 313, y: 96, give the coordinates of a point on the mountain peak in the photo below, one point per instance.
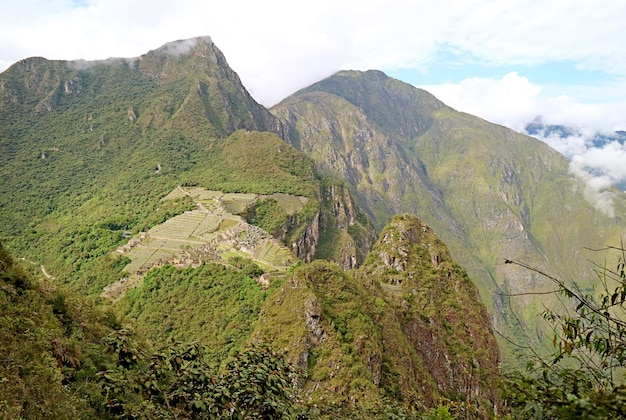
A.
x: 185, y: 57
x: 384, y: 99
x: 202, y: 46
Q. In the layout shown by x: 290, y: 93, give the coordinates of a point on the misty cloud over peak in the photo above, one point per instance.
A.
x: 184, y: 46
x: 597, y: 159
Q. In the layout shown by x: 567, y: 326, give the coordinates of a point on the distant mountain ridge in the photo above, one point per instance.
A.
x: 538, y: 128
x: 490, y: 193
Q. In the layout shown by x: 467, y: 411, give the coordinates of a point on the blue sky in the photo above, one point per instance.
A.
x: 448, y: 68
x: 507, y: 61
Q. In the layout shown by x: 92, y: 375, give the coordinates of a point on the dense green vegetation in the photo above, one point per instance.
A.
x: 583, y: 376
x: 64, y: 358
x: 219, y: 311
x: 268, y: 215
x: 91, y: 148
x: 52, y: 348
x: 177, y: 382
x: 216, y: 305
x: 261, y: 163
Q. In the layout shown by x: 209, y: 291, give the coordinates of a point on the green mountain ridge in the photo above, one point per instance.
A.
x: 398, y: 335
x: 121, y: 134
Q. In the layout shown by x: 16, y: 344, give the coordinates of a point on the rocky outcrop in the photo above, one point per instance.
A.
x: 305, y: 247
x: 341, y: 205
x: 438, y: 309
x: 407, y: 325
x: 351, y: 229
x: 338, y: 232
x: 313, y: 316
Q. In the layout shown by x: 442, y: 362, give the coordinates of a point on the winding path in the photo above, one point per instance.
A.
x: 45, y: 273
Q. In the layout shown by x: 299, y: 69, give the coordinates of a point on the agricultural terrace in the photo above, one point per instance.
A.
x: 213, y: 232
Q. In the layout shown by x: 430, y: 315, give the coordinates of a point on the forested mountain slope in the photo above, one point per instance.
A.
x: 90, y: 149
x: 163, y: 170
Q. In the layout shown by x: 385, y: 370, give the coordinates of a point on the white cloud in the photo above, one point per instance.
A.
x: 595, y: 188
x: 609, y: 159
x: 277, y: 45
x: 599, y: 168
x: 514, y: 101
x: 576, y: 144
x: 534, y: 31
x: 510, y: 101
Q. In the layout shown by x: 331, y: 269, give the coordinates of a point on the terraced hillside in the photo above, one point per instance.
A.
x: 214, y: 232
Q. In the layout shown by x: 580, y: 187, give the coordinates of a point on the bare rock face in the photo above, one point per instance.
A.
x: 306, y: 246
x: 352, y: 230
x: 349, y: 258
x: 341, y: 205
x: 347, y: 234
x: 313, y: 316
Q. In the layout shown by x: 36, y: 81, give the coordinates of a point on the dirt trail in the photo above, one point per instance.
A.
x: 45, y: 273
x: 41, y: 266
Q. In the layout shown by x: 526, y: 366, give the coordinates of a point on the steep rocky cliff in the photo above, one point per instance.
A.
x: 337, y: 232
x: 347, y: 233
x: 215, y: 89
x: 437, y: 308
x: 408, y: 326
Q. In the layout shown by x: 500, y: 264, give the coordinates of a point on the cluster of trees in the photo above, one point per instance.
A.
x: 62, y: 357
x: 584, y: 376
x: 178, y: 382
